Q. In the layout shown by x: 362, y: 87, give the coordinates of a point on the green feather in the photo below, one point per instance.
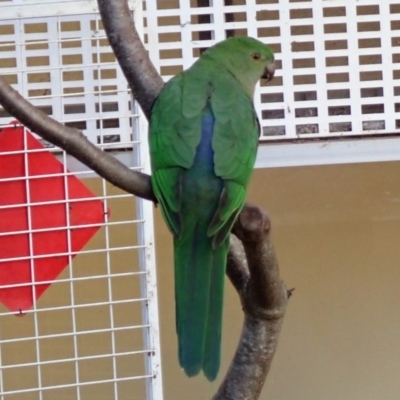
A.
x: 193, y: 263
x: 212, y: 351
x: 167, y: 181
x: 199, y: 292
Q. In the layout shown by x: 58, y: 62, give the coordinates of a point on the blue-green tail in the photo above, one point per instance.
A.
x: 199, y: 292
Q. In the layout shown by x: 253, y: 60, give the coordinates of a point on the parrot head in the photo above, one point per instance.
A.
x: 246, y: 58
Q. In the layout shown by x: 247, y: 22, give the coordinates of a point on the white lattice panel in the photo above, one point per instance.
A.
x: 93, y: 334
x: 64, y: 66
x: 338, y: 59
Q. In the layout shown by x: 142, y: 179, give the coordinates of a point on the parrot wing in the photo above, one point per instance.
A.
x: 175, y: 132
x: 235, y: 143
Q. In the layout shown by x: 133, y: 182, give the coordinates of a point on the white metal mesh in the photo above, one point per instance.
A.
x: 64, y: 66
x: 338, y: 59
x: 93, y: 334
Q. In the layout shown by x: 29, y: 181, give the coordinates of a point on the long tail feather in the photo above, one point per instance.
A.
x: 212, y: 348
x: 193, y: 258
x: 199, y: 281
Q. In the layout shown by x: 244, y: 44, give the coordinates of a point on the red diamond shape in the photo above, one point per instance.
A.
x: 29, y: 229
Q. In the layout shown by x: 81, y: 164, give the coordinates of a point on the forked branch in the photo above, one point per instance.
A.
x: 253, y: 270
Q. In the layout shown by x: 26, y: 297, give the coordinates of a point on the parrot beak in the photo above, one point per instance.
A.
x: 269, y: 72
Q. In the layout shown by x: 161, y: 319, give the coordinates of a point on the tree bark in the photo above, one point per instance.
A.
x: 254, y: 272
x: 143, y: 79
x: 252, y: 265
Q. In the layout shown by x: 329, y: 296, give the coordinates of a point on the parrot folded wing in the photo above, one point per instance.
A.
x: 175, y: 127
x: 174, y: 136
x: 235, y: 143
x: 230, y: 204
x: 167, y: 187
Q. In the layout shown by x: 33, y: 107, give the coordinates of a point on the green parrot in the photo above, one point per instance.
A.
x: 203, y: 143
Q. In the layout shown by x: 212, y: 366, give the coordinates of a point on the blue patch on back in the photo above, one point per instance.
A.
x: 201, y: 178
x: 204, y: 151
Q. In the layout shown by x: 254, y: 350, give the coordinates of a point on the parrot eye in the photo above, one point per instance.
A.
x: 256, y: 56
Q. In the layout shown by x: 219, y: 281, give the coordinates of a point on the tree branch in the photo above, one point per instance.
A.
x: 75, y: 143
x: 253, y: 229
x: 236, y: 268
x: 144, y: 80
x: 264, y: 299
